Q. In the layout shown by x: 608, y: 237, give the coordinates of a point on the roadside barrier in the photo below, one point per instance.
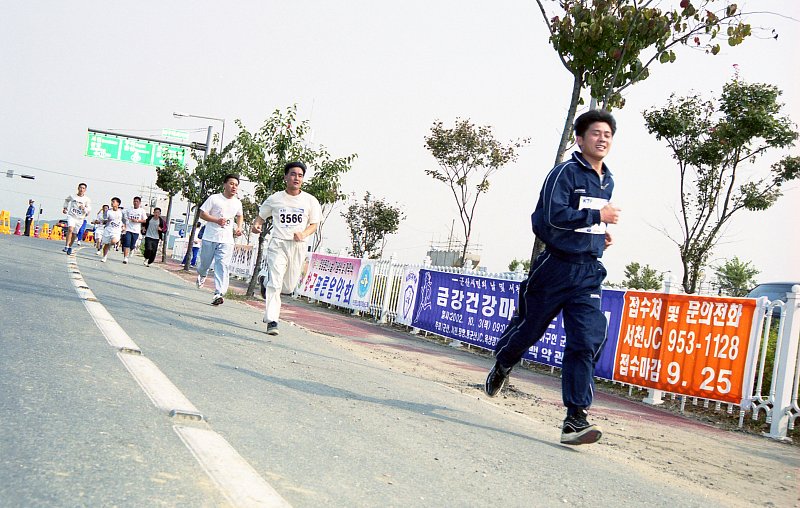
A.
x: 703, y: 349
x: 5, y: 218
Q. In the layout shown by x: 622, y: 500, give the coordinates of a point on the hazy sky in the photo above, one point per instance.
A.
x: 372, y: 77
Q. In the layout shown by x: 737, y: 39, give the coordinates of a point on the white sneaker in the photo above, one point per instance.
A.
x: 99, y: 252
x: 125, y: 261
x: 200, y: 280
x: 104, y: 259
x: 146, y: 263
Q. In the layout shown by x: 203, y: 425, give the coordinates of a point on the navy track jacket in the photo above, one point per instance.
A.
x: 559, y: 215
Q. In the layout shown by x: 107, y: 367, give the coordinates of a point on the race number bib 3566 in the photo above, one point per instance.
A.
x: 288, y: 217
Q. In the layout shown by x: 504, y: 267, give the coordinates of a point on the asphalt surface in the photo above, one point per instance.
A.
x: 317, y: 423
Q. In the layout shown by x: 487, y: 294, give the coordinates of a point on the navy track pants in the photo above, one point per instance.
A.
x: 555, y: 285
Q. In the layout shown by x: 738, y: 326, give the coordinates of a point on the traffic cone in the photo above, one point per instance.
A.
x: 18, y: 229
x: 36, y: 231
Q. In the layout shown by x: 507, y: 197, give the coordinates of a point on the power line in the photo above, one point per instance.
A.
x: 68, y: 174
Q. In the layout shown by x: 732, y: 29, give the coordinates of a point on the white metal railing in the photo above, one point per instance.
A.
x: 779, y: 405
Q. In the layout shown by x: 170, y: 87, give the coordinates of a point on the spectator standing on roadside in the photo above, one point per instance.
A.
x: 570, y: 218
x: 295, y: 216
x: 115, y: 227
x: 153, y: 230
x: 220, y: 211
x: 29, y: 217
x: 196, y: 244
x: 77, y: 208
x: 134, y: 218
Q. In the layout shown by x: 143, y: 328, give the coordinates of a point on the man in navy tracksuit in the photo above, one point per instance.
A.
x: 570, y: 218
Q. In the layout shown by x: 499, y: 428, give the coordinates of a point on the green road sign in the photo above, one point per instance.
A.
x: 137, y: 151
x: 174, y: 152
x: 175, y: 134
x: 104, y: 147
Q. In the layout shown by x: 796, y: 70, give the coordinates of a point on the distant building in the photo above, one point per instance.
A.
x: 449, y: 253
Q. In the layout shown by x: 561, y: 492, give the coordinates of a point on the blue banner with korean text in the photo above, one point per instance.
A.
x: 468, y: 308
x: 550, y: 349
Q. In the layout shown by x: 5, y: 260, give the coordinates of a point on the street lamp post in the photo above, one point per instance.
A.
x: 192, y: 232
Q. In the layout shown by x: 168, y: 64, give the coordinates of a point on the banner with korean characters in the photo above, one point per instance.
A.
x: 468, y: 308
x: 330, y: 279
x: 362, y: 294
x: 549, y: 350
x: 687, y: 344
x: 408, y: 296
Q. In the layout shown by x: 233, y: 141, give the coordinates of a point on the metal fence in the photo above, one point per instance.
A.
x: 775, y: 386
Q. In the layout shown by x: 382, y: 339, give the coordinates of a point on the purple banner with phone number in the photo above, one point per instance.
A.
x: 477, y: 310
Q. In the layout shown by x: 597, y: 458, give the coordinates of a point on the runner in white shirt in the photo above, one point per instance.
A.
x: 134, y: 218
x: 115, y: 226
x: 295, y: 216
x: 77, y: 209
x: 99, y: 228
x: 220, y: 211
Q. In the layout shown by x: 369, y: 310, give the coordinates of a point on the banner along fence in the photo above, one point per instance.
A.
x: 704, y: 347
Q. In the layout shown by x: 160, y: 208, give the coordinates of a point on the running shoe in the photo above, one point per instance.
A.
x: 577, y: 430
x: 272, y: 328
x: 217, y: 299
x: 201, y: 279
x: 496, y: 380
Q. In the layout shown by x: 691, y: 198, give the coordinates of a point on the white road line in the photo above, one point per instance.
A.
x: 165, y: 395
x: 111, y: 330
x: 237, y: 479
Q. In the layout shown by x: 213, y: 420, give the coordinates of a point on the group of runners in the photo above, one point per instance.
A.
x: 113, y: 226
x: 571, y: 216
x: 295, y: 216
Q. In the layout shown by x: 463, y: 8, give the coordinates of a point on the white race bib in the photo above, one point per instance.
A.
x: 290, y: 217
x: 592, y: 204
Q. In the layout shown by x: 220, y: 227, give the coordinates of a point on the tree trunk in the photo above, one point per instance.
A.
x: 191, y: 239
x: 577, y: 85
x: 251, y: 286
x: 166, y: 236
x: 464, y: 254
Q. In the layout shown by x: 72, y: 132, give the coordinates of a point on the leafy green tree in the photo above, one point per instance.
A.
x: 205, y: 181
x: 716, y: 145
x: 468, y: 156
x: 263, y: 154
x: 516, y: 264
x: 642, y: 277
x: 607, y: 46
x: 369, y: 223
x: 736, y: 277
x: 250, y: 211
x: 169, y: 178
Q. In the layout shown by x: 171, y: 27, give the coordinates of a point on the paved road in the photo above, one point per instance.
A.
x: 290, y: 420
